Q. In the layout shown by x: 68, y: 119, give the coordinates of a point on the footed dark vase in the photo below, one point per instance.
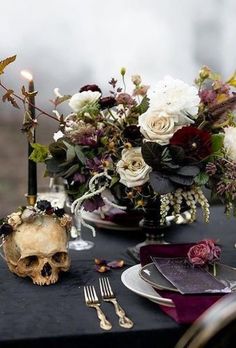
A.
x: 152, y: 229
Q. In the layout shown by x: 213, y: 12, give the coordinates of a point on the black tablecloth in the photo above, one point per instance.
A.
x: 56, y: 316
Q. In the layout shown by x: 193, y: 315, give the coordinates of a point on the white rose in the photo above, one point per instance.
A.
x: 132, y: 169
x: 230, y: 142
x: 79, y: 100
x: 176, y: 98
x: 157, y: 126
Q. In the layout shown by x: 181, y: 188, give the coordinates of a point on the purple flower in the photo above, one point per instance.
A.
x: 80, y: 178
x: 208, y: 96
x: 93, y: 203
x: 94, y: 164
x: 87, y: 136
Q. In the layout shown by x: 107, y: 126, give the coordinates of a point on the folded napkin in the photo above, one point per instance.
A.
x: 187, y: 307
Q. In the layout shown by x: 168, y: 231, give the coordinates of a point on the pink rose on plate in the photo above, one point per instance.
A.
x: 204, y: 252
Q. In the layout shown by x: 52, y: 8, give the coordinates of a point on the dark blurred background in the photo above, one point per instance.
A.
x: 67, y: 44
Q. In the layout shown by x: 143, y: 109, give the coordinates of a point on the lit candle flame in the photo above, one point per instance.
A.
x: 27, y: 75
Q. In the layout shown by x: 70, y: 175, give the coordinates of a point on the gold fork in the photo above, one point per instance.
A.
x: 109, y: 296
x: 91, y: 300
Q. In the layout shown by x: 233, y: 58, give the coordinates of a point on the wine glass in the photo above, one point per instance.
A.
x: 78, y: 243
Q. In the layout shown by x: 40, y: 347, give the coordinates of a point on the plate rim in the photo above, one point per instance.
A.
x: 157, y: 299
x: 154, y: 285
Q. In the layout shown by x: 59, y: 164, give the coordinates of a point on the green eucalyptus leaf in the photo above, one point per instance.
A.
x: 39, y: 153
x: 72, y: 170
x: 79, y: 154
x: 143, y: 106
x: 70, y: 153
x: 114, y: 180
x: 217, y: 142
x: 201, y: 179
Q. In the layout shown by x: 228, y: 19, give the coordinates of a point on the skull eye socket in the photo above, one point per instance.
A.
x: 30, y: 261
x: 59, y: 257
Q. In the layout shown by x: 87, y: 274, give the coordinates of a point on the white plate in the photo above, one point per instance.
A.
x: 96, y: 220
x: 131, y: 279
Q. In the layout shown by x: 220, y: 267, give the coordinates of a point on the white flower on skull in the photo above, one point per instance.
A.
x: 132, y: 169
x: 15, y: 219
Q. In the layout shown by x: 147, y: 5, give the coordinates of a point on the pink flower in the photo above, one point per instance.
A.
x: 204, y: 252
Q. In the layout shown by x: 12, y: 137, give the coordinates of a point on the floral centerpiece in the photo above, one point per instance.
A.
x: 154, y: 143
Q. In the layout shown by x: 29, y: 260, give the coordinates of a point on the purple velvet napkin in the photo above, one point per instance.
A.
x: 187, y: 307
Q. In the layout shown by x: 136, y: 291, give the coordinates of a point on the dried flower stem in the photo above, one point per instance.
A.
x: 29, y: 103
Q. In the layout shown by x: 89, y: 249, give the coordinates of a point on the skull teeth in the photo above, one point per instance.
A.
x: 45, y: 281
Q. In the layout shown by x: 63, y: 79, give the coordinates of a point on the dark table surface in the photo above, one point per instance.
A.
x: 56, y: 315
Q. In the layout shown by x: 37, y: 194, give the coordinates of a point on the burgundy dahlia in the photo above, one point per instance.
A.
x: 132, y: 133
x: 93, y: 88
x: 195, y: 142
x: 107, y: 102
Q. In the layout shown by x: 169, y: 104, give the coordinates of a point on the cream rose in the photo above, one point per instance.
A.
x: 132, y: 169
x: 79, y: 100
x: 157, y: 126
x: 230, y: 142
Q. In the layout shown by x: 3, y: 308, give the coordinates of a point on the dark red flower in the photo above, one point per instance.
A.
x: 107, y: 102
x: 59, y: 212
x: 132, y: 133
x: 195, y: 142
x: 5, y: 229
x: 44, y: 205
x: 93, y: 88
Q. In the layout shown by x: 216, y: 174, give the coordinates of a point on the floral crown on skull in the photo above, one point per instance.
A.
x: 29, y: 213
